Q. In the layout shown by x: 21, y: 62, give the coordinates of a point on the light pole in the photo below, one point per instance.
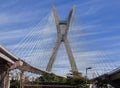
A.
x: 86, y: 74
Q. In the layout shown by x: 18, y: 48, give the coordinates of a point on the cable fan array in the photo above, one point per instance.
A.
x: 88, y: 48
x: 93, y: 48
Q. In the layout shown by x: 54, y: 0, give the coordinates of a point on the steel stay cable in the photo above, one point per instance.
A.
x: 27, y: 35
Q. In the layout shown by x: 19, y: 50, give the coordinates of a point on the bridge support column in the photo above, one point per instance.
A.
x: 2, y: 74
x: 4, y: 80
x: 22, y: 79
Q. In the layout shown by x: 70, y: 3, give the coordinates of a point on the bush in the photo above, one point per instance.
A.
x: 14, y: 84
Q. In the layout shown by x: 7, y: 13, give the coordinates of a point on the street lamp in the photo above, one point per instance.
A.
x: 86, y: 74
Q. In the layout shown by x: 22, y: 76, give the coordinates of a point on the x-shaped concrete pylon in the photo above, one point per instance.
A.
x: 62, y: 37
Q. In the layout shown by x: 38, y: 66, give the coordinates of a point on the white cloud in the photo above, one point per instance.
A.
x: 41, y: 55
x: 108, y: 38
x: 92, y: 10
x: 12, y: 34
x: 8, y: 4
x: 7, y: 18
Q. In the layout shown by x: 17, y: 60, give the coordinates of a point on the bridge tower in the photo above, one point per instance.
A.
x: 62, y: 33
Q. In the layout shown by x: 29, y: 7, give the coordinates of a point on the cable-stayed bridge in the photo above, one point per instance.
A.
x: 49, y: 48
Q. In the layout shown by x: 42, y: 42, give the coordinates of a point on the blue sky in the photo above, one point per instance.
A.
x: 27, y: 29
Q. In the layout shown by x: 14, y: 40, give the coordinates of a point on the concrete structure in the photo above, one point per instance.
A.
x: 112, y: 78
x: 7, y: 62
x: 62, y: 33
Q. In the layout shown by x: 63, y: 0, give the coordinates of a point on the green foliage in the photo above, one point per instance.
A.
x: 50, y: 78
x: 79, y: 82
x: 76, y: 81
x: 101, y: 82
x: 14, y: 84
x: 76, y: 74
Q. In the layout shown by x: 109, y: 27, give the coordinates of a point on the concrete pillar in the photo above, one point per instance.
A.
x: 4, y: 80
x: 7, y: 80
x: 22, y: 79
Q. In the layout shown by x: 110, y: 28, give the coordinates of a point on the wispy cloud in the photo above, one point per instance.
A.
x: 8, y: 18
x: 12, y: 34
x: 90, y: 7
x: 8, y: 4
x: 37, y: 43
x: 92, y: 10
x: 105, y: 39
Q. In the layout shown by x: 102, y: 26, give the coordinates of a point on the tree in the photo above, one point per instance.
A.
x: 14, y: 84
x: 79, y: 82
x: 101, y: 82
x: 51, y: 78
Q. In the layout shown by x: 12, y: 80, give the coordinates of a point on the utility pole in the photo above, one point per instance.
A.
x: 86, y: 74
